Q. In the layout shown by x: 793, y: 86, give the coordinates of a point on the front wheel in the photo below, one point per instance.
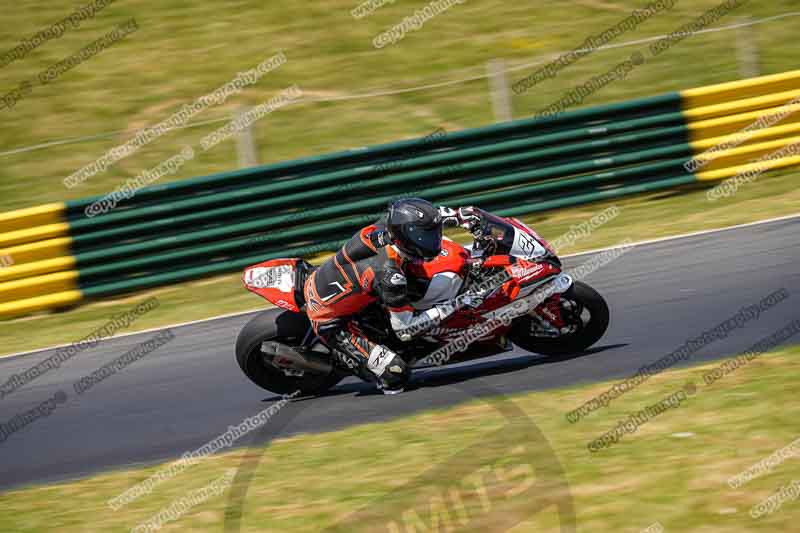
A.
x: 586, y: 314
x: 288, y: 328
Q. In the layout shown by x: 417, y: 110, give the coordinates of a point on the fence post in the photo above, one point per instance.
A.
x: 498, y: 86
x: 245, y: 142
x: 747, y: 49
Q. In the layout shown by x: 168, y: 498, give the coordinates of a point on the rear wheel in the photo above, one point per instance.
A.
x: 287, y: 328
x: 586, y: 314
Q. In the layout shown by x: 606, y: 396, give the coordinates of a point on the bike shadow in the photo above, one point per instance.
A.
x: 443, y: 376
x: 449, y: 376
x: 359, y: 388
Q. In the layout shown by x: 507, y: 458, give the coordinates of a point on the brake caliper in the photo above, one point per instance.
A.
x: 551, y: 311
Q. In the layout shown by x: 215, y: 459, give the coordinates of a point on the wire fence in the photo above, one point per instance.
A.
x: 393, y: 91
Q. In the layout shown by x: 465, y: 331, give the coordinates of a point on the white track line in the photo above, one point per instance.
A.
x: 241, y: 313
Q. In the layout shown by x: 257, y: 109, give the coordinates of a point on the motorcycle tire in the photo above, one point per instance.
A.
x: 286, y: 327
x: 571, y: 343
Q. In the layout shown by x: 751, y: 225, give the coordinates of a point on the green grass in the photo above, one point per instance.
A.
x: 186, y: 49
x: 640, y: 218
x: 673, y: 470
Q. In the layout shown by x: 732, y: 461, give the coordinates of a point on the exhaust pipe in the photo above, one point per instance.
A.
x: 283, y: 356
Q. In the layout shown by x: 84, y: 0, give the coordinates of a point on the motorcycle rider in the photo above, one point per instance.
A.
x: 373, y: 266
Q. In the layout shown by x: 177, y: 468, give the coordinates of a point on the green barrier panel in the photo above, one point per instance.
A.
x: 600, y: 195
x: 618, y: 142
x: 227, y: 266
x: 82, y: 224
x: 662, y: 169
x: 352, y: 224
x: 225, y: 213
x: 84, y: 258
x: 346, y: 226
x: 201, y: 271
x: 648, y: 138
x: 670, y: 102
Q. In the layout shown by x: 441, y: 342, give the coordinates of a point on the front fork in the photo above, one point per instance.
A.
x: 547, y: 315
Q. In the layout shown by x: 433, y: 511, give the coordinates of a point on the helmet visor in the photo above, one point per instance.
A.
x: 425, y: 242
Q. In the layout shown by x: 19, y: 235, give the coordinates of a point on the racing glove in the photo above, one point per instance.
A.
x: 468, y: 218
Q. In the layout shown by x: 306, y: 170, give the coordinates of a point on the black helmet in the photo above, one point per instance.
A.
x: 415, y: 227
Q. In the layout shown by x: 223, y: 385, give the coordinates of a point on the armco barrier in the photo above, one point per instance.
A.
x: 220, y: 223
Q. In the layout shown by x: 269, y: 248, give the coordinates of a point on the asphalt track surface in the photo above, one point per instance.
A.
x: 189, y: 391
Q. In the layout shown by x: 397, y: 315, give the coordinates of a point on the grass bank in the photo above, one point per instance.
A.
x: 486, y: 465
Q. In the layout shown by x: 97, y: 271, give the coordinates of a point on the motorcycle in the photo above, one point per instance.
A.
x: 506, y: 264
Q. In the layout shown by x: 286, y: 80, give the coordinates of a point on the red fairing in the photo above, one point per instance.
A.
x: 525, y: 272
x: 275, y: 281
